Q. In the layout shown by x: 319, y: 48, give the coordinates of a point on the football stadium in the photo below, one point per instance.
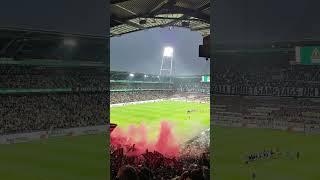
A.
x: 265, y: 110
x: 159, y: 115
x: 54, y: 97
x: 53, y: 105
x: 168, y: 120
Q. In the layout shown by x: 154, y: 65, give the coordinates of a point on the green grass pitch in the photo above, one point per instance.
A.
x: 67, y: 158
x: 175, y: 112
x: 231, y: 144
x: 85, y: 157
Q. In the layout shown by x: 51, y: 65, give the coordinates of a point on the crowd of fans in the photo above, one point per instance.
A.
x: 289, y: 76
x: 181, y: 169
x: 27, y: 113
x: 133, y: 96
x: 31, y: 98
x: 192, y: 163
x: 85, y: 103
x: 191, y: 84
x: 292, y: 91
x: 122, y: 75
x: 37, y: 77
x: 270, y: 111
x: 131, y: 85
x: 122, y: 81
x: 79, y: 105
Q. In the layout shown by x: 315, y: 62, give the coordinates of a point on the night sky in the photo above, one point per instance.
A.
x: 142, y: 51
x: 234, y: 21
x: 69, y: 16
x: 266, y: 20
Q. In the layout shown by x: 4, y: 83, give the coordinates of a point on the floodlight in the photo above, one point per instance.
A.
x: 131, y: 75
x: 168, y: 52
x: 69, y: 42
x: 145, y: 76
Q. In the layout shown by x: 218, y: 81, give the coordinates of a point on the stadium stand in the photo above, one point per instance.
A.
x: 144, y: 87
x: 125, y: 89
x: 192, y: 84
x: 265, y: 89
x: 135, y: 15
x: 50, y: 81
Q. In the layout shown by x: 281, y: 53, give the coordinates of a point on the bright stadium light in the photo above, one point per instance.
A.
x: 131, y: 75
x: 145, y: 76
x: 168, y: 52
x: 69, y: 42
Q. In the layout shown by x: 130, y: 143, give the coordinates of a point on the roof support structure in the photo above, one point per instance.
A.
x: 186, y: 15
x: 118, y: 1
x: 128, y: 22
x: 166, y: 4
x: 3, y: 50
x: 204, y: 7
x: 171, y: 18
x: 201, y: 28
x: 13, y: 41
x: 174, y: 10
x: 190, y: 12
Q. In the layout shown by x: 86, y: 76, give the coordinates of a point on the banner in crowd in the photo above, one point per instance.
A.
x: 313, y: 129
x: 19, y: 91
x: 137, y: 102
x: 20, y: 138
x: 26, y: 137
x: 77, y: 131
x: 91, y: 89
x: 205, y: 78
x: 308, y: 55
x: 266, y: 91
x: 53, y: 62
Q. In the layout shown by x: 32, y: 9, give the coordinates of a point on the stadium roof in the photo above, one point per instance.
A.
x: 26, y: 44
x: 136, y: 15
x: 280, y: 46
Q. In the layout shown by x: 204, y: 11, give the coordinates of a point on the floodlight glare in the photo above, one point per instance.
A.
x: 168, y: 52
x: 69, y: 42
x: 145, y: 75
x: 131, y: 75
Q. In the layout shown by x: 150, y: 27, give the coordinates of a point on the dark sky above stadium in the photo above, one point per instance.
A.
x: 266, y: 20
x: 71, y: 16
x: 142, y: 51
x: 235, y: 20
